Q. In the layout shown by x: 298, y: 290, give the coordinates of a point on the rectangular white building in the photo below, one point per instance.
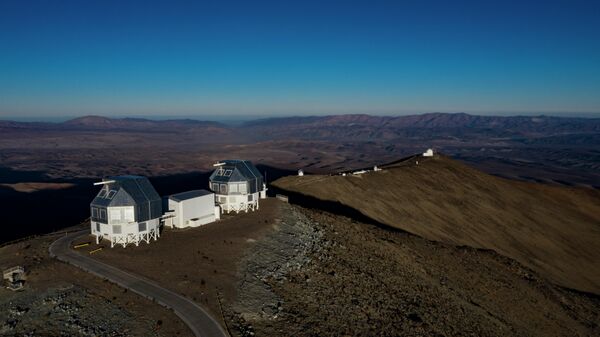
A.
x: 191, y: 209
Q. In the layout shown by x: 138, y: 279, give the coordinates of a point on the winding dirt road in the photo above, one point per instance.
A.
x: 199, y: 321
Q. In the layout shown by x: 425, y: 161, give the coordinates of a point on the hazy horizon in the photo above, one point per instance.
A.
x: 233, y: 119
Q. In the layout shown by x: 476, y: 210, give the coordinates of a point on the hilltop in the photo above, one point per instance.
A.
x: 326, y: 269
x: 553, y: 230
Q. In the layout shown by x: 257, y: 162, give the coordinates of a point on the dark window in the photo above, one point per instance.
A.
x: 223, y: 189
x: 102, y: 193
x: 97, y: 227
x: 249, y: 197
x: 94, y: 212
x: 142, y: 227
x: 228, y: 173
x: 111, y: 194
x: 102, y: 213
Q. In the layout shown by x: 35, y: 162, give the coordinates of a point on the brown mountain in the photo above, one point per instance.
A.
x: 99, y: 122
x: 553, y: 230
x: 432, y: 125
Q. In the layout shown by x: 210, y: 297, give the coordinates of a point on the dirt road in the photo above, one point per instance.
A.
x: 198, y: 320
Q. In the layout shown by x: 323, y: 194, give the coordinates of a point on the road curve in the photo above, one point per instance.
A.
x: 199, y: 321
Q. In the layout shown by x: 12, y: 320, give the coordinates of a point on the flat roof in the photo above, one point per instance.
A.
x: 189, y: 195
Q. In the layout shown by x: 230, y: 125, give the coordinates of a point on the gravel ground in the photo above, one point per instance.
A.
x: 285, y: 249
x: 66, y: 312
x: 61, y: 300
x: 327, y: 275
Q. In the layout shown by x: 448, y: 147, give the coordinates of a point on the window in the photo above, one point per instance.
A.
x: 242, y: 188
x: 102, y: 193
x: 233, y: 188
x: 215, y: 187
x: 111, y: 194
x: 220, y: 172
x: 250, y: 197
x: 102, y: 213
x: 228, y: 173
x: 116, y: 229
x: 94, y: 212
x: 129, y: 214
x: 97, y: 227
x: 142, y: 227
x: 223, y: 189
x: 114, y: 215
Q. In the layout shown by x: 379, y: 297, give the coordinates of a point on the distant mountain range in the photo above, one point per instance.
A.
x: 365, y: 127
x: 100, y: 123
x: 347, y: 127
x: 535, y: 148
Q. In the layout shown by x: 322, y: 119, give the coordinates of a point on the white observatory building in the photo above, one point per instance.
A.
x: 126, y: 210
x: 238, y: 186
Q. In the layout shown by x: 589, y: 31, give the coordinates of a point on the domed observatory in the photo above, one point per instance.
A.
x: 238, y: 186
x: 126, y: 210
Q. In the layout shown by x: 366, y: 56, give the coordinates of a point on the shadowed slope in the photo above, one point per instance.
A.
x: 554, y: 230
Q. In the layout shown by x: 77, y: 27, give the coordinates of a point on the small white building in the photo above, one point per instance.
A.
x: 191, y: 209
x: 126, y: 210
x: 238, y: 186
x: 428, y: 153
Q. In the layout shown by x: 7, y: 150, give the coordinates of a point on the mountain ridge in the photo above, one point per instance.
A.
x: 551, y: 229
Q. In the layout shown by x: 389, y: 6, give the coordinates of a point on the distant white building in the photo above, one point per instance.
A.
x: 126, y: 210
x: 238, y: 186
x: 428, y: 153
x: 300, y: 172
x: 191, y: 209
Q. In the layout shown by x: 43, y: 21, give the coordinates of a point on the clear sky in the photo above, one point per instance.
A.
x: 70, y: 58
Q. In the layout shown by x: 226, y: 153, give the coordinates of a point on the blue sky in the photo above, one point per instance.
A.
x: 194, y: 58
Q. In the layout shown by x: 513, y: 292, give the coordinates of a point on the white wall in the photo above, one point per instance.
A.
x: 200, y: 208
x: 123, y: 217
x: 237, y: 202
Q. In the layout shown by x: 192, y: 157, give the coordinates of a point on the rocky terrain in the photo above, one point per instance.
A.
x: 286, y: 270
x: 358, y: 279
x: 284, y: 250
x: 61, y: 300
x: 68, y: 311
